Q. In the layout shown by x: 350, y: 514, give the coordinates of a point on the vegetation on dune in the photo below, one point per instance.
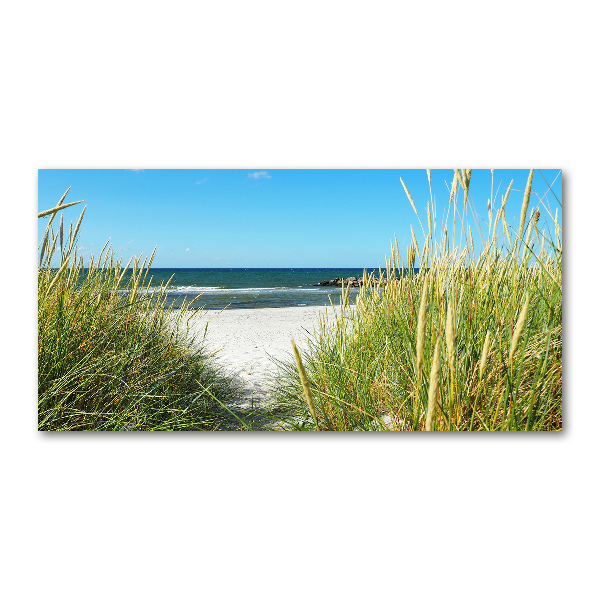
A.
x: 464, y: 342
x: 111, y: 355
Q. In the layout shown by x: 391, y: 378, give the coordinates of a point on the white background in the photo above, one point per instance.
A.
x: 267, y: 85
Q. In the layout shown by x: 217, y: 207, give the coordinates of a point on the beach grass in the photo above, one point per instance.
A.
x: 467, y: 341
x: 112, y: 354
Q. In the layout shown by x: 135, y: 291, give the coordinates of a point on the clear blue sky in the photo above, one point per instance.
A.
x: 263, y: 217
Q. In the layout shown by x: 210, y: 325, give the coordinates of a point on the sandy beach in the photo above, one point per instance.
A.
x: 248, y: 340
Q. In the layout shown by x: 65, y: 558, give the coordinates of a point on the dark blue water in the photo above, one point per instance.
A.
x: 253, y: 288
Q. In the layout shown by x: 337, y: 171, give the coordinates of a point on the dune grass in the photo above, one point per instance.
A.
x: 465, y: 342
x: 112, y: 355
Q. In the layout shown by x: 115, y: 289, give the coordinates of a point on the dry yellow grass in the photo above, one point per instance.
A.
x: 434, y: 383
x: 305, y: 385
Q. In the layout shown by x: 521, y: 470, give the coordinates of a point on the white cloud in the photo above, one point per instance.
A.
x: 259, y: 175
x: 205, y: 180
x: 137, y: 170
x: 187, y: 249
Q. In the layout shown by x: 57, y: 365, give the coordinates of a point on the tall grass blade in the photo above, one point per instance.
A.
x: 54, y: 210
x: 305, y: 385
x: 434, y: 382
x: 526, y: 196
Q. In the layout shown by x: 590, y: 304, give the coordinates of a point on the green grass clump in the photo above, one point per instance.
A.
x: 465, y: 342
x: 111, y: 354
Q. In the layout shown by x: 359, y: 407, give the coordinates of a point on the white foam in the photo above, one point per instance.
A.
x: 192, y: 289
x: 252, y: 290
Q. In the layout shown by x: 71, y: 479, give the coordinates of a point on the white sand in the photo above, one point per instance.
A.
x: 250, y: 338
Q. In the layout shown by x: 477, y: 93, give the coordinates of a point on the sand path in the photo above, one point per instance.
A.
x: 250, y: 339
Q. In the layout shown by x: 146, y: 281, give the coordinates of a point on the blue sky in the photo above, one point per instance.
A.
x: 263, y: 217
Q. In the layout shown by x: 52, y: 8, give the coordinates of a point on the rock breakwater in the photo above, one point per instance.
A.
x: 349, y: 282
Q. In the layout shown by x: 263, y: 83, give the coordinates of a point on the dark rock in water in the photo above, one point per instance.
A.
x: 351, y: 282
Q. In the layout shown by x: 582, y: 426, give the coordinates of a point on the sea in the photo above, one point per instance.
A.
x: 253, y: 288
